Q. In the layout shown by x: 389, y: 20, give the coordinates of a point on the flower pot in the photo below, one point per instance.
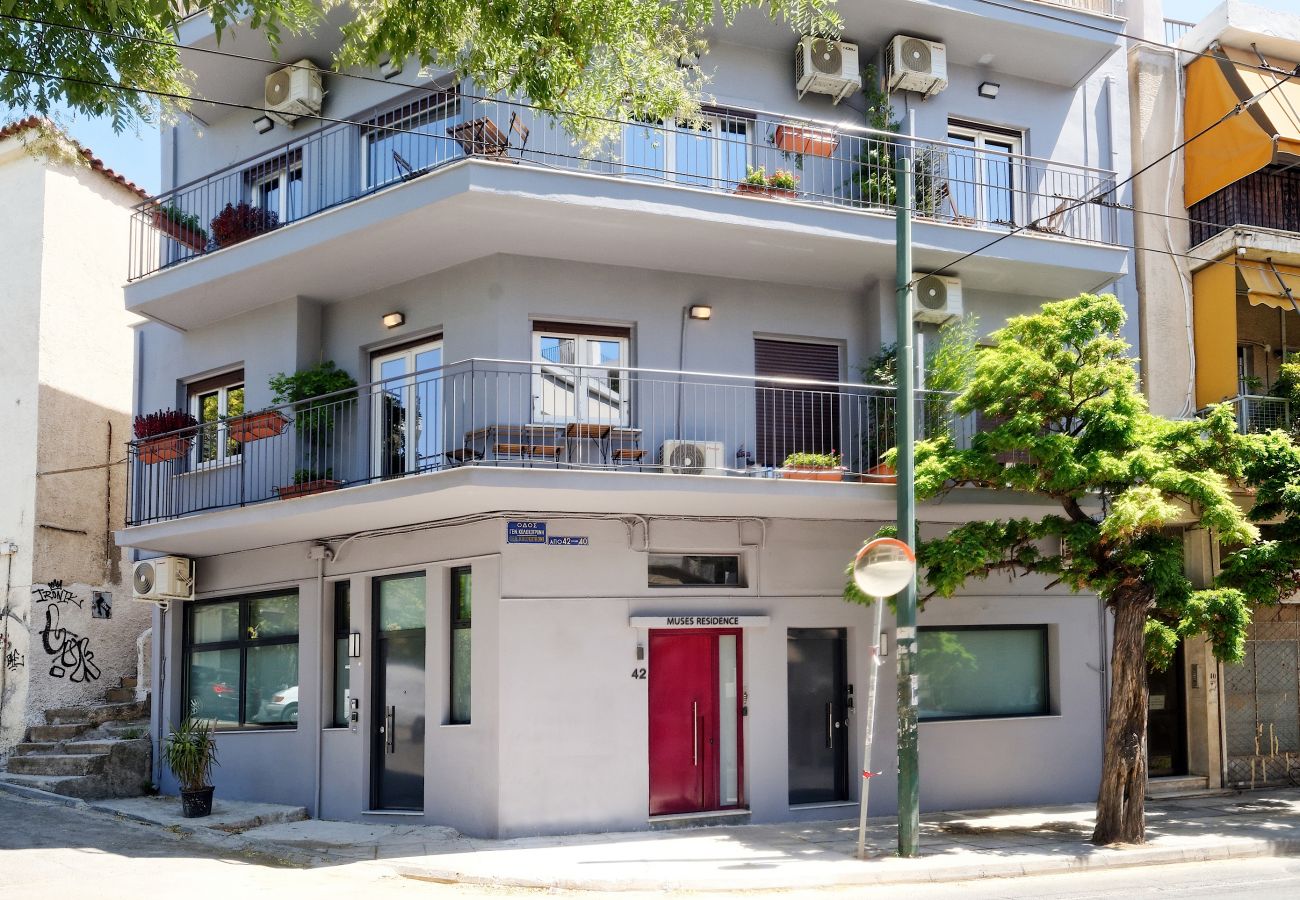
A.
x: 882, y: 474
x: 745, y: 187
x: 818, y: 474
x: 195, y: 804
x: 317, y: 486
x: 808, y: 141
x: 187, y: 235
x: 161, y: 449
x: 255, y: 426
x: 782, y: 193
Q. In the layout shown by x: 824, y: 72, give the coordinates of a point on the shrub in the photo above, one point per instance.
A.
x: 239, y: 223
x: 190, y: 752
x: 164, y: 421
x: 812, y: 460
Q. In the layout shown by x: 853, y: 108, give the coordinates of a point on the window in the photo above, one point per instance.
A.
x: 581, y: 373
x: 411, y: 139
x: 241, y: 660
x: 984, y: 178
x: 213, y: 400
x: 407, y: 423
x: 280, y: 192
x: 684, y: 570
x: 969, y: 672
x: 342, y: 629
x: 718, y: 151
x: 461, y: 609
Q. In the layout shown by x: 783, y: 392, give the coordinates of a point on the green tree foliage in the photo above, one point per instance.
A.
x: 1071, y: 431
x: 578, y: 58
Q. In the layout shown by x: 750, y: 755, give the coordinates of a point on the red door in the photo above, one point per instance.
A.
x: 684, y: 722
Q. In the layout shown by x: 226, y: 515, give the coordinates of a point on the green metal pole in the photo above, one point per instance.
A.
x: 909, y: 812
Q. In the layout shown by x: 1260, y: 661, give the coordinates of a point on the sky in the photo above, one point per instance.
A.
x: 136, y: 154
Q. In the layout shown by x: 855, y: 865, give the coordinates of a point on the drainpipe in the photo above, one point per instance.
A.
x: 321, y: 554
x: 7, y: 549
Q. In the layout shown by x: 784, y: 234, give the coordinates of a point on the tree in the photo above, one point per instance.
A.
x: 579, y: 59
x: 1064, y: 395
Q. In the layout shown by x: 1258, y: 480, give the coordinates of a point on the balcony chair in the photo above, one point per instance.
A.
x: 482, y: 138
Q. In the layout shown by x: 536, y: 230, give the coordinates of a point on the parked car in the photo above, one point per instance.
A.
x: 282, y: 707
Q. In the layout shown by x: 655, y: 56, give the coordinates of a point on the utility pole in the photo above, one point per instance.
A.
x: 909, y: 794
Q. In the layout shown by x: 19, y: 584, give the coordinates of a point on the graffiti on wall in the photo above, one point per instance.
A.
x: 72, y: 657
x: 101, y: 605
x: 10, y: 656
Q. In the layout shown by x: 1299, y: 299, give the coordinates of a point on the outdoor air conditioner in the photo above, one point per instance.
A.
x: 826, y: 67
x: 162, y: 579
x: 937, y: 298
x: 293, y: 92
x: 691, y: 457
x: 915, y: 64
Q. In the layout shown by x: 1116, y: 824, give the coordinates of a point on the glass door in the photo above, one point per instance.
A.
x: 407, y: 410
x: 580, y: 378
x: 983, y: 183
x: 716, y: 154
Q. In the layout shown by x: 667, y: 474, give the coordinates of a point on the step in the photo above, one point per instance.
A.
x: 130, y: 681
x: 83, y: 786
x: 58, y: 764
x: 32, y: 748
x: 94, y: 715
x: 1176, y: 786
x: 42, y: 733
x: 135, y: 728
x: 120, y: 695
x: 93, y: 746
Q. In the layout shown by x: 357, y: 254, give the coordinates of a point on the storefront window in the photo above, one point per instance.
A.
x: 241, y: 660
x: 461, y: 609
x: 983, y: 672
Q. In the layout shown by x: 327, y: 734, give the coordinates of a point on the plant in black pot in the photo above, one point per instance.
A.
x: 190, y: 752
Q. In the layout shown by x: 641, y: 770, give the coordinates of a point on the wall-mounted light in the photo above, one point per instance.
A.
x: 989, y: 90
x: 394, y: 319
x: 354, y: 645
x: 884, y: 643
x: 263, y: 124
x: 700, y: 311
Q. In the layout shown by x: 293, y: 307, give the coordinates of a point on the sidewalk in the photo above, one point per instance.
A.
x: 955, y: 846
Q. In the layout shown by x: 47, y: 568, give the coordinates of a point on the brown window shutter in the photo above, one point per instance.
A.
x: 204, y: 385
x: 614, y: 331
x: 795, y: 418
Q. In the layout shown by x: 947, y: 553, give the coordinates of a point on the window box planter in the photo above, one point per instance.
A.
x: 764, y: 190
x: 881, y: 474
x: 255, y: 426
x: 162, y: 449
x: 190, y: 236
x: 807, y: 141
x: 818, y: 474
x: 315, y: 486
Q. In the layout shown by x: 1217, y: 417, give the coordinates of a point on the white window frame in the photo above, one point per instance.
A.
x: 280, y: 178
x: 223, y: 456
x: 377, y: 359
x: 711, y: 125
x: 982, y: 138
x: 372, y: 128
x: 581, y: 382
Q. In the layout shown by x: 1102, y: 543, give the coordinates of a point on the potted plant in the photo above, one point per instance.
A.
x: 801, y: 140
x: 783, y: 183
x: 308, y: 481
x: 755, y: 181
x: 180, y: 226
x: 190, y: 753
x: 256, y: 425
x: 240, y: 222
x: 158, y: 437
x: 813, y: 467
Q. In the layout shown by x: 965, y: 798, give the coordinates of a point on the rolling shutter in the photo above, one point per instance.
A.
x: 795, y: 418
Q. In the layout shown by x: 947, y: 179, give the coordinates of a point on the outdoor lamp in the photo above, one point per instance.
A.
x: 354, y: 645
x: 394, y: 319
x: 701, y: 312
x: 263, y: 124
x: 989, y: 89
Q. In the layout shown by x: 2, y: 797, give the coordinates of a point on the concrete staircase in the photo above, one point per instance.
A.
x: 1175, y: 786
x: 89, y: 752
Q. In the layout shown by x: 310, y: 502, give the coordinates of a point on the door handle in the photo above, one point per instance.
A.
x: 830, y: 728
x: 695, y: 731
x: 390, y: 730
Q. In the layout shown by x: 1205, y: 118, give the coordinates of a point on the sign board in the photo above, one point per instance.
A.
x: 704, y: 621
x: 567, y: 541
x: 525, y: 532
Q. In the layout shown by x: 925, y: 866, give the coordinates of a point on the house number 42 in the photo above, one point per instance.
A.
x: 639, y: 673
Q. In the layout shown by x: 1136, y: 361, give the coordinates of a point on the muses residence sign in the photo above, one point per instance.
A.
x: 703, y: 621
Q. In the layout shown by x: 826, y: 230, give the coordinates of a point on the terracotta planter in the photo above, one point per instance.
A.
x: 187, y: 235
x: 808, y: 141
x: 162, y: 449
x: 882, y: 474
x: 783, y: 193
x: 822, y: 474
x: 318, y: 486
x: 255, y: 426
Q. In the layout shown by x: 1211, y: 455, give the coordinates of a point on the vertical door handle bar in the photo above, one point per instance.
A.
x: 695, y: 731
x: 830, y: 728
x: 390, y: 735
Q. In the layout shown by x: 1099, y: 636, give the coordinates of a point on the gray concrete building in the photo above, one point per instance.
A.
x: 547, y: 565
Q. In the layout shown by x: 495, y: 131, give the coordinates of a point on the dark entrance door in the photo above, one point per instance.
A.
x: 817, y: 700
x: 695, y: 753
x: 397, y: 754
x: 1166, y: 720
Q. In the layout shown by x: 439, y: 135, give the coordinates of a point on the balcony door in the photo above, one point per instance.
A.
x: 983, y: 176
x: 795, y: 418
x: 581, y: 375
x: 407, y: 409
x: 716, y: 154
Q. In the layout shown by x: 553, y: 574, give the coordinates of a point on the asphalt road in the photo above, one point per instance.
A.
x: 54, y: 852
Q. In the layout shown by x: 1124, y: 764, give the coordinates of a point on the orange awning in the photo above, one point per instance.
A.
x: 1262, y: 283
x: 1267, y: 132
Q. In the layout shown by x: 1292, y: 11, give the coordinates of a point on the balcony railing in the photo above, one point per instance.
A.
x: 1112, y: 8
x: 957, y: 183
x: 1175, y: 29
x: 1256, y: 413
x: 524, y: 414
x: 1264, y: 199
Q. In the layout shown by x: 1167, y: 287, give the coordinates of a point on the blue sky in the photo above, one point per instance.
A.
x: 136, y: 155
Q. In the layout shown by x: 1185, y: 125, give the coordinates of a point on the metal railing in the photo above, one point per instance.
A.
x: 525, y: 414
x: 1112, y: 8
x: 1176, y: 29
x: 1257, y: 413
x: 957, y: 182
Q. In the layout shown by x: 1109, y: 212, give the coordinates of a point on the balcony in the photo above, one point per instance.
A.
x: 1258, y: 413
x: 594, y: 435
x: 1268, y: 199
x: 453, y: 178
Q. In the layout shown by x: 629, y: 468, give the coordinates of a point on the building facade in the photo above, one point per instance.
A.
x: 1216, y: 270
x: 70, y: 631
x: 542, y: 563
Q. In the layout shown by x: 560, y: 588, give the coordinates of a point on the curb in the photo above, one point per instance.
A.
x: 31, y: 793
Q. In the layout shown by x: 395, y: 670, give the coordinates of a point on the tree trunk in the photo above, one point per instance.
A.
x: 1120, y: 801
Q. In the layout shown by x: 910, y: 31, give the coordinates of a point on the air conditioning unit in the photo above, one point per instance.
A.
x: 915, y: 64
x: 691, y: 457
x: 293, y: 92
x: 826, y: 67
x: 936, y: 298
x: 162, y: 579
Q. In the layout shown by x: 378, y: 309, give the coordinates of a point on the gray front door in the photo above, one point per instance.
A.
x: 397, y: 754
x: 817, y: 698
